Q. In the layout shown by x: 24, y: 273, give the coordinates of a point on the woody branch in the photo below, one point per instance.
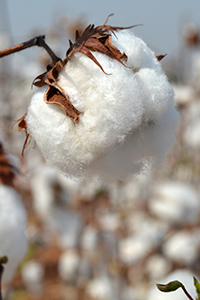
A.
x: 36, y: 41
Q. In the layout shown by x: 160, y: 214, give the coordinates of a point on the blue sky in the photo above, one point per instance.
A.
x: 162, y: 20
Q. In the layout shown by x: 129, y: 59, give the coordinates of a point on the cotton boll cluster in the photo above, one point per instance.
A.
x: 127, y: 120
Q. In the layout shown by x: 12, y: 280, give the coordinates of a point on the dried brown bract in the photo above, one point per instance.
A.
x: 8, y: 172
x: 92, y: 39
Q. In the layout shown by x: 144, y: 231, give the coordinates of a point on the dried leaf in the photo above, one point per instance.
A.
x: 22, y: 127
x: 39, y: 81
x: 54, y: 96
x: 160, y: 57
x: 8, y: 172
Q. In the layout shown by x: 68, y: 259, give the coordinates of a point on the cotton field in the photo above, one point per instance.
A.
x: 99, y: 240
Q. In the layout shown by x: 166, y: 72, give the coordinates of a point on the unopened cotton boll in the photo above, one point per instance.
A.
x: 127, y: 120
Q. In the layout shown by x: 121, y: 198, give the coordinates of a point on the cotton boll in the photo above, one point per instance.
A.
x: 148, y: 235
x: 175, y: 203
x: 13, y: 241
x: 157, y: 267
x: 68, y: 227
x: 101, y: 288
x: 184, y: 95
x: 32, y: 274
x: 51, y: 208
x: 133, y: 249
x: 89, y: 239
x: 68, y: 265
x: 182, y: 247
x: 109, y: 222
x: 44, y: 183
x: 127, y: 122
x: 191, y: 133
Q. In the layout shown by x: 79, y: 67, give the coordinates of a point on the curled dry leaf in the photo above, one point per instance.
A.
x: 160, y: 57
x: 8, y: 172
x: 92, y: 39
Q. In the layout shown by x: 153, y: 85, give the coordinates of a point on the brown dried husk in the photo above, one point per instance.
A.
x: 8, y: 172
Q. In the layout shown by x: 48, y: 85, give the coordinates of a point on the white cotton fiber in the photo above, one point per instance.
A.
x: 127, y: 119
x: 13, y: 241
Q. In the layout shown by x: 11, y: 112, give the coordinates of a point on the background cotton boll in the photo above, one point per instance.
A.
x: 13, y: 241
x: 101, y: 288
x: 68, y: 265
x: 157, y: 267
x: 182, y: 247
x: 175, y: 203
x: 33, y: 275
x: 191, y: 132
x: 89, y: 239
x: 157, y: 139
x: 51, y: 193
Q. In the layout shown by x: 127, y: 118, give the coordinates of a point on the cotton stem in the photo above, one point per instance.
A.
x: 1, y: 273
x: 37, y: 41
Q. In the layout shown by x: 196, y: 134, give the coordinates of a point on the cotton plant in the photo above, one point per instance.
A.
x: 106, y: 111
x: 13, y: 240
x: 177, y: 285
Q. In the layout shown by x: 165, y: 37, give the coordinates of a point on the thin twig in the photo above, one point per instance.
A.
x: 3, y: 260
x: 186, y: 292
x: 1, y: 273
x: 36, y: 41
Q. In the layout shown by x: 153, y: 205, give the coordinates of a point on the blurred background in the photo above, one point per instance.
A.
x: 100, y: 241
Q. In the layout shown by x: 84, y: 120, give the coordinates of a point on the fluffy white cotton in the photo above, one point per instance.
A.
x: 127, y: 122
x: 13, y: 241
